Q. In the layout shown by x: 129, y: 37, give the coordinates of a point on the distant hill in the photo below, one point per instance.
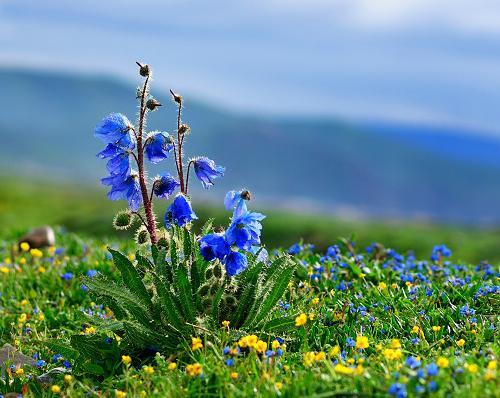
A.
x: 46, y: 129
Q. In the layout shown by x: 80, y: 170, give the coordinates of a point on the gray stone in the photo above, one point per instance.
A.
x: 10, y: 354
x: 40, y: 237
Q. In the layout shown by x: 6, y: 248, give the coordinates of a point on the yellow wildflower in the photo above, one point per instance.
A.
x: 315, y: 301
x: 436, y: 328
x: 25, y: 246
x: 194, y: 370
x: 149, y: 370
x: 320, y: 356
x: 196, y: 343
x: 442, y: 362
x: 68, y: 379
x: 41, y: 316
x: 359, y: 370
x: 41, y: 269
x: 361, y: 275
x: 22, y: 318
x: 261, y: 346
x: 395, y: 343
x: 172, y: 366
x: 4, y: 270
x: 120, y: 394
x: 278, y: 385
x: 311, y: 316
x: 55, y: 389
x: 309, y: 358
x: 415, y: 329
x: 378, y: 347
x: 225, y: 324
x: 394, y: 285
x: 489, y: 375
x: 24, y: 302
x: 234, y: 375
x: 301, y: 320
x: 334, y: 351
x: 275, y: 344
x: 382, y: 285
x: 36, y: 253
x: 89, y: 330
x: 461, y: 342
x: 342, y: 369
x: 19, y: 372
x: 362, y: 342
x: 22, y: 261
x: 472, y: 368
x: 492, y: 365
x: 126, y: 359
x: 392, y: 354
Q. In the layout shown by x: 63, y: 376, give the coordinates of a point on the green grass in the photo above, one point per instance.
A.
x: 395, y: 314
x: 87, y: 211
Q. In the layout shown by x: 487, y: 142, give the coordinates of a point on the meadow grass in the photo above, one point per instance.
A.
x: 367, y: 324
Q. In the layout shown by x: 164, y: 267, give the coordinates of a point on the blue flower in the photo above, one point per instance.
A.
x: 165, y: 185
x: 236, y: 200
x: 91, y: 273
x: 40, y: 363
x: 440, y: 251
x: 295, y: 249
x: 214, y: 246
x: 115, y: 129
x: 157, y: 146
x: 67, y: 276
x: 119, y: 165
x: 127, y: 189
x: 235, y: 263
x: 398, y: 390
x: 412, y: 362
x: 179, y: 212
x: 350, y: 342
x: 245, y: 230
x: 432, y: 369
x: 206, y: 170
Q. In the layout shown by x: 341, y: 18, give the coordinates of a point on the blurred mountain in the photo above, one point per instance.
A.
x: 376, y: 170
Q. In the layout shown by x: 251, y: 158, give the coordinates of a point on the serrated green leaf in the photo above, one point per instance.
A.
x: 183, y: 288
x: 248, y: 281
x: 279, y: 325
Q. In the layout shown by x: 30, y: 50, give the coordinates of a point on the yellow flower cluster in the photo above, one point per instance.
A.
x: 392, y: 354
x: 194, y: 369
x: 347, y: 370
x: 312, y: 357
x: 196, y: 343
x: 252, y: 341
x: 362, y: 342
x: 301, y: 320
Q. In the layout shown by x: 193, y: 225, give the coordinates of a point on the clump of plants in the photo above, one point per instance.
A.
x: 180, y: 281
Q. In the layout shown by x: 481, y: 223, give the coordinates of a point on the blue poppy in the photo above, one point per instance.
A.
x: 126, y: 189
x: 235, y: 263
x: 179, y: 212
x: 157, y: 146
x: 119, y: 165
x: 165, y: 185
x: 115, y: 129
x: 245, y: 230
x: 214, y: 246
x: 236, y: 200
x: 206, y: 170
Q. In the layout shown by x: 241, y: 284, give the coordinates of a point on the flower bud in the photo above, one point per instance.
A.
x: 152, y: 104
x: 218, y: 270
x: 246, y: 195
x: 184, y: 129
x: 209, y: 273
x: 123, y: 220
x: 177, y: 98
x: 142, y: 236
x: 204, y: 289
x: 230, y: 300
x: 163, y: 238
x: 143, y: 69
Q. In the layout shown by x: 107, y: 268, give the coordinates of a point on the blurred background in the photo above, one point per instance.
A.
x: 372, y: 117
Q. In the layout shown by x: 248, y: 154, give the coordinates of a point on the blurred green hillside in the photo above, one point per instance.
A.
x: 86, y: 210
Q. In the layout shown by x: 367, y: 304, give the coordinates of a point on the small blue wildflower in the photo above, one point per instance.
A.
x: 206, y: 170
x: 412, y: 362
x: 433, y: 385
x: 125, y: 189
x: 226, y: 350
x: 115, y: 129
x: 229, y: 362
x: 165, y: 185
x: 66, y: 364
x: 270, y: 353
x: 245, y: 230
x: 398, y: 390
x: 235, y: 263
x: 279, y: 352
x: 415, y: 341
x: 440, y: 251
x: 84, y: 288
x: 432, y: 369
x: 40, y: 363
x: 295, y: 249
x: 157, y: 146
x: 56, y: 357
x: 67, y: 276
x: 91, y: 273
x: 179, y: 212
x: 350, y: 342
x: 214, y: 246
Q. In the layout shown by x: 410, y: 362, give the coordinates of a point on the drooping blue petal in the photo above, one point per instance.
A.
x: 214, y: 246
x: 245, y: 230
x: 157, y: 147
x: 235, y: 263
x: 179, y: 212
x: 165, y: 186
x: 110, y: 151
x: 206, y: 170
x: 231, y: 199
x: 119, y: 164
x: 125, y: 189
x: 115, y: 128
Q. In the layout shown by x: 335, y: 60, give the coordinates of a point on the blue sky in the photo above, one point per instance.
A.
x: 426, y: 61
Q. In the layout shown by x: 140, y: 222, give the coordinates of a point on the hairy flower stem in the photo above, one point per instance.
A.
x: 180, y: 142
x: 148, y: 204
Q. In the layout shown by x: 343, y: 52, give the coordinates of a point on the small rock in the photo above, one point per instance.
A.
x: 52, y: 375
x: 11, y: 355
x: 39, y: 237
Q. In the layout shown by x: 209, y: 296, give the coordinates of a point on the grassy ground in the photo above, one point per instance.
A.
x: 88, y: 212
x: 369, y: 324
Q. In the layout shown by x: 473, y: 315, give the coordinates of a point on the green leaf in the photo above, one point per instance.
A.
x: 62, y: 348
x: 216, y: 304
x: 183, y: 288
x: 168, y: 305
x: 131, y: 277
x: 187, y: 244
x: 271, y: 292
x: 174, y: 257
x: 207, y: 226
x: 93, y: 368
x: 143, y: 263
x: 279, y: 325
x: 248, y: 281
